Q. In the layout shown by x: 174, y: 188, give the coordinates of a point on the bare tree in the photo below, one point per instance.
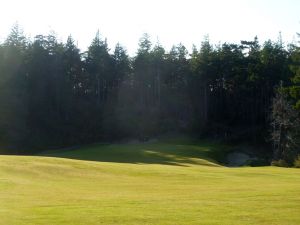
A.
x: 285, y: 128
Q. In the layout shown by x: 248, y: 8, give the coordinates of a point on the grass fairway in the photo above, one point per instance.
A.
x: 172, y: 183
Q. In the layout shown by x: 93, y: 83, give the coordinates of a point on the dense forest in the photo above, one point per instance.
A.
x: 54, y: 95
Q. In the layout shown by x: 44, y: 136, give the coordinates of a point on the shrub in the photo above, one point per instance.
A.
x: 297, y: 162
x: 280, y: 163
x: 257, y: 162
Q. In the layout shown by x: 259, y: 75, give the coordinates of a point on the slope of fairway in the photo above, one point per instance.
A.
x: 168, y: 152
x: 144, y: 184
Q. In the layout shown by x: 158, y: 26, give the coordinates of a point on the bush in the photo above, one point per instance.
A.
x: 280, y: 163
x: 257, y: 162
x: 297, y: 162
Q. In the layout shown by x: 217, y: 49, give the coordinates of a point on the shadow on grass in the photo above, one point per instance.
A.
x: 167, y: 153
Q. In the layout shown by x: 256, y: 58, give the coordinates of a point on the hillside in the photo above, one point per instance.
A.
x: 152, y: 183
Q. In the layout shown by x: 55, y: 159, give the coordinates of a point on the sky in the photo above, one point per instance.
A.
x: 167, y: 21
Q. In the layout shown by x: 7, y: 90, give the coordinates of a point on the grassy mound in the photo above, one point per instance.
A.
x: 181, y: 151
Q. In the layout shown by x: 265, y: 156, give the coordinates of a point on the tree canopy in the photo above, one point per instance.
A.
x: 54, y: 95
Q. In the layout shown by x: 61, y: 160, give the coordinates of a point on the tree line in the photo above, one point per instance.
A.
x: 54, y: 95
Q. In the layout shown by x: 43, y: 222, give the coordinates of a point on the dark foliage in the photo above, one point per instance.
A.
x: 53, y: 95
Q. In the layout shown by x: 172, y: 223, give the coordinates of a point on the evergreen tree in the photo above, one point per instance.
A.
x: 53, y: 95
x: 13, y: 86
x: 295, y: 67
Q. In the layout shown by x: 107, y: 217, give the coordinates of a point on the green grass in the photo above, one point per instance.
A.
x: 164, y: 183
x: 169, y: 151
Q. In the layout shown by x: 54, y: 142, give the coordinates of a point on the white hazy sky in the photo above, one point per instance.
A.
x: 170, y: 21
